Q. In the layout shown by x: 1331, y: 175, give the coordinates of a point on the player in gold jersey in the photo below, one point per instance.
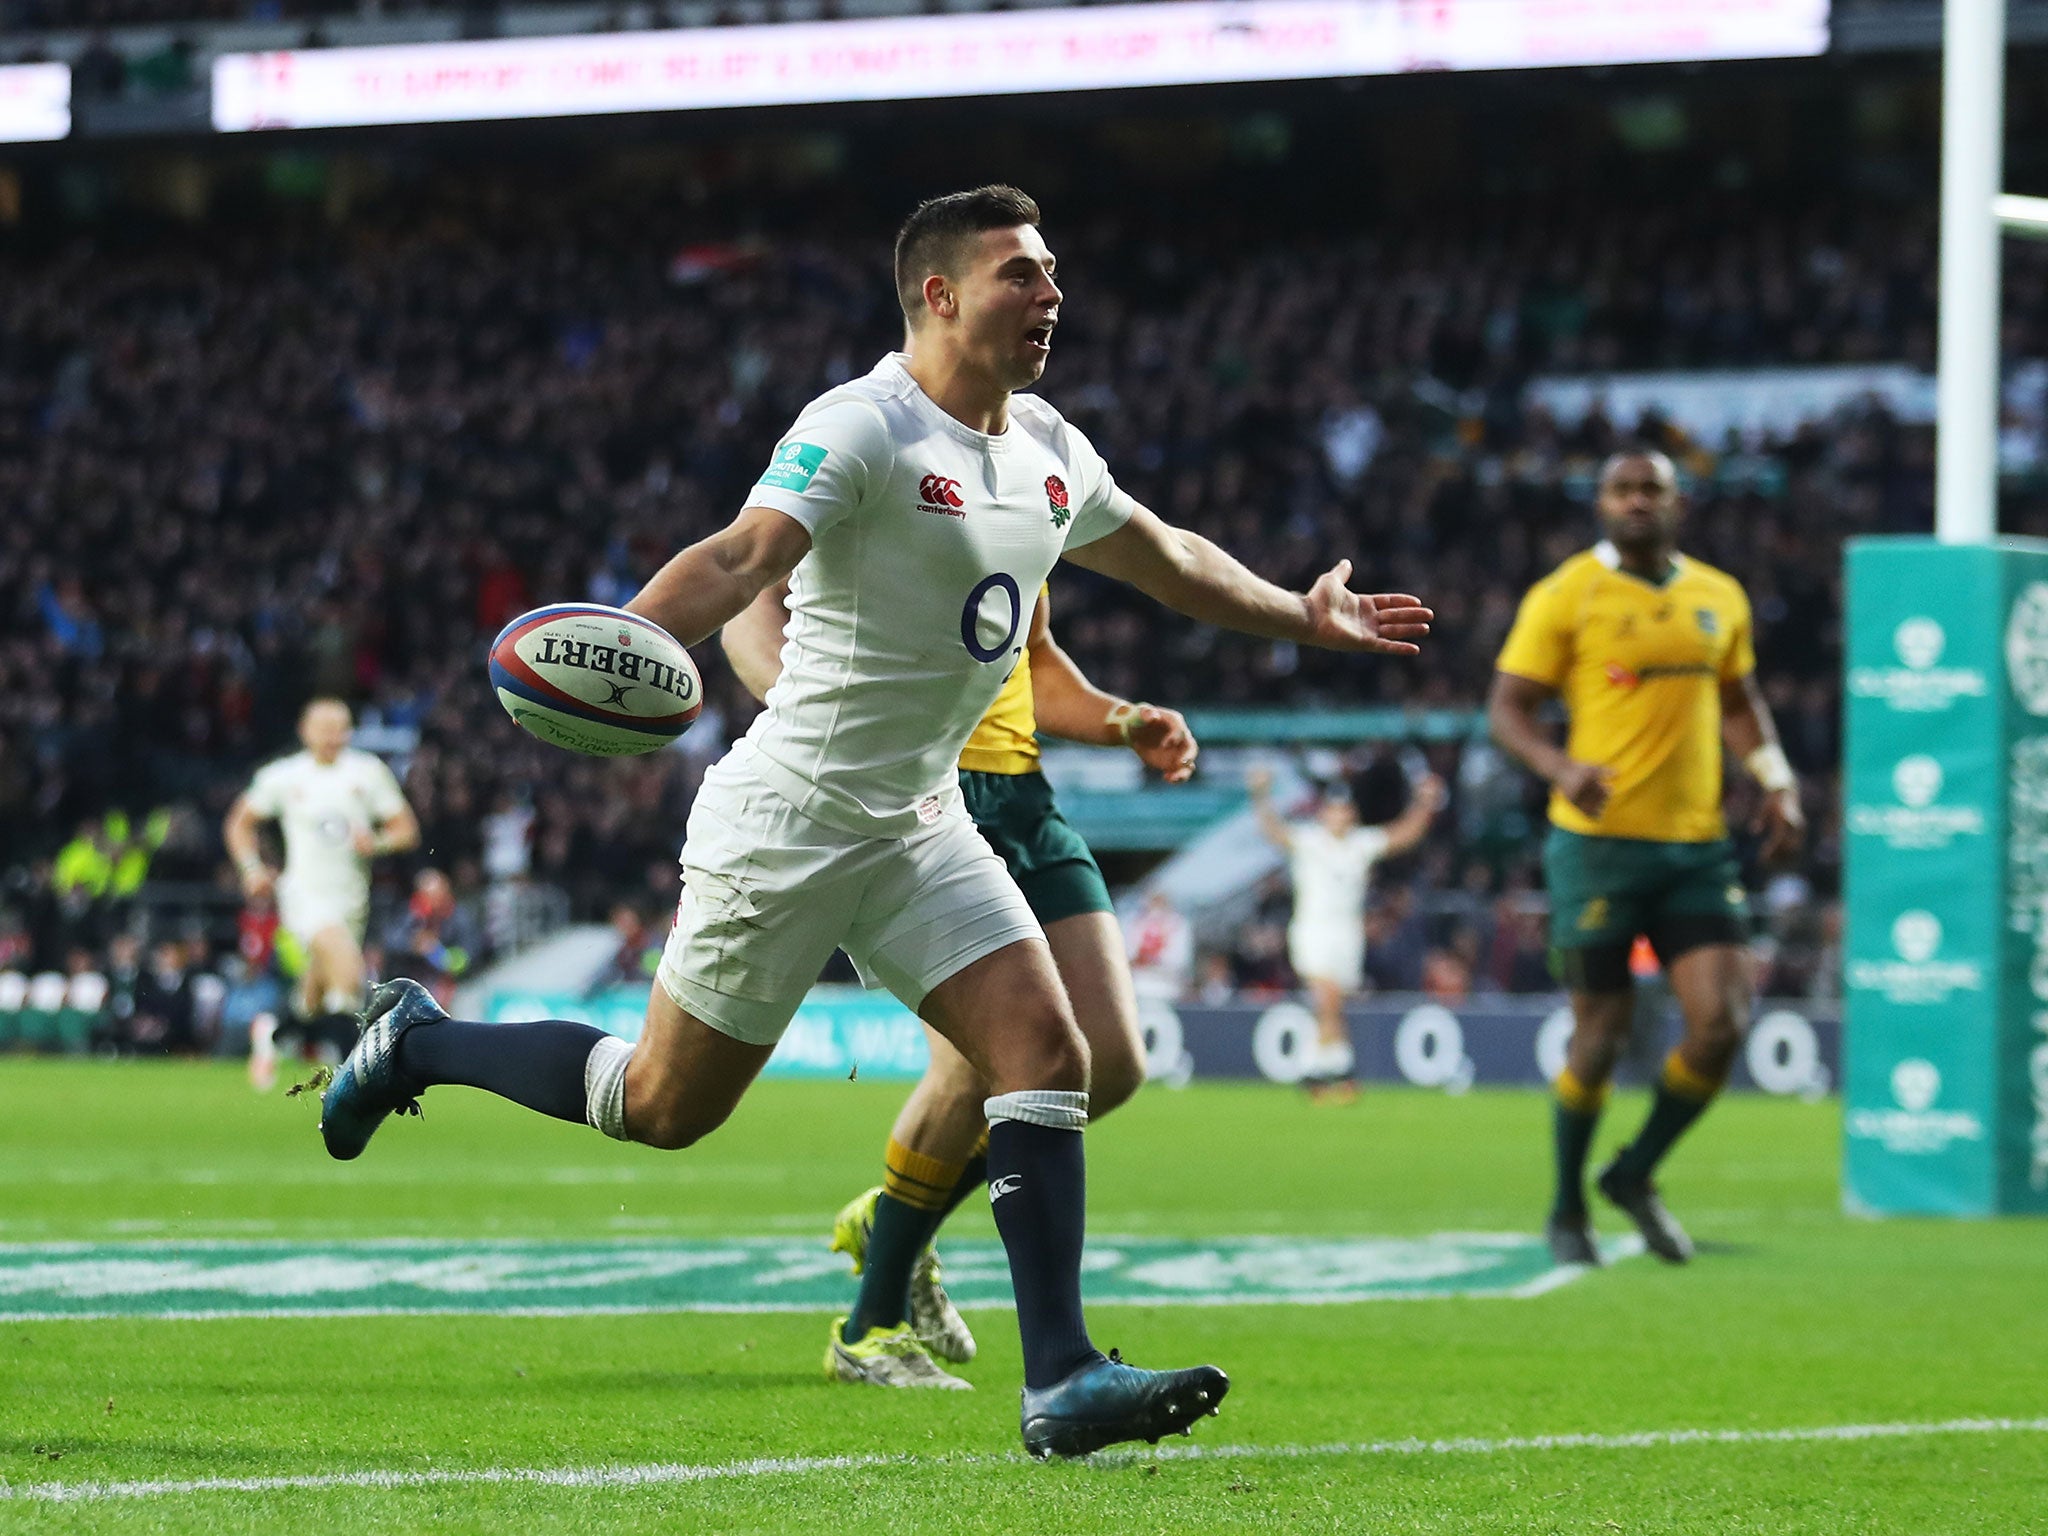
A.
x: 1652, y: 656
x: 936, y: 1151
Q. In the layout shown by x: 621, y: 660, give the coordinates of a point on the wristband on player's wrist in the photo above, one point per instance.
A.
x: 1121, y: 718
x: 250, y: 868
x: 1769, y: 766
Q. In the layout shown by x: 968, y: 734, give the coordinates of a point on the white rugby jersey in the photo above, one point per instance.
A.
x: 1330, y: 872
x: 929, y: 543
x: 318, y: 806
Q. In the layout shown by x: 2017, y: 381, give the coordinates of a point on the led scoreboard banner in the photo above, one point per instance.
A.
x: 988, y: 54
x: 35, y: 102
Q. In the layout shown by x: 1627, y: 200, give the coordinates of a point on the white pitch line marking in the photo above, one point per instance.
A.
x: 669, y: 1473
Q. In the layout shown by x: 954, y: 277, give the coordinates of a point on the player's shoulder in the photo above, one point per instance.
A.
x: 859, y: 406
x: 1041, y: 421
x: 288, y: 766
x: 1572, y: 575
x: 1714, y: 579
x: 362, y: 763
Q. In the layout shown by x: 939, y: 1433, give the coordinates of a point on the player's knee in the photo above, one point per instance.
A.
x: 660, y: 1112
x: 1116, y: 1072
x: 1718, y: 1036
x: 1052, y: 1053
x: 672, y: 1127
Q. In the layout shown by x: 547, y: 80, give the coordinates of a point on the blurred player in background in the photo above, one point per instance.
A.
x: 337, y: 809
x: 1330, y: 860
x: 938, y: 1149
x: 918, y: 507
x: 1652, y: 655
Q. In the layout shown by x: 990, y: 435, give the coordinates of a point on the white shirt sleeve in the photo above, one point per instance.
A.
x: 825, y: 466
x: 265, y: 795
x: 382, y: 790
x: 1101, y: 506
x: 1371, y: 843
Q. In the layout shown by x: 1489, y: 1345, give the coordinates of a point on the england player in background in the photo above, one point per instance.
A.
x: 337, y: 809
x: 915, y: 510
x: 1329, y: 860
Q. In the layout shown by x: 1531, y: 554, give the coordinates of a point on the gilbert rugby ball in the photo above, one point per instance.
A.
x: 595, y: 680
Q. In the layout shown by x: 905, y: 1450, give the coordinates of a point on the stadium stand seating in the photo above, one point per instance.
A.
x: 243, y: 462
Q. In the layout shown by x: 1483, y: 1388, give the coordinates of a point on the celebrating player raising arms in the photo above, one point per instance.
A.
x: 915, y: 511
x: 937, y: 1151
x: 1652, y: 655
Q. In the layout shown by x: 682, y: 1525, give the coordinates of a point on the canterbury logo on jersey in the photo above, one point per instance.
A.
x: 936, y: 493
x: 1008, y: 1184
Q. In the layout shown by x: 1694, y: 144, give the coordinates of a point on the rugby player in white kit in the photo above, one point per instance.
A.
x: 1329, y: 860
x: 916, y: 512
x: 337, y: 809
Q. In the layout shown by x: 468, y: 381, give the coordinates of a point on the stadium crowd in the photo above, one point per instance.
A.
x: 244, y: 464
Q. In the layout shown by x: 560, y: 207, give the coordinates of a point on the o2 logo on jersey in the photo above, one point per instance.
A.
x: 973, y: 624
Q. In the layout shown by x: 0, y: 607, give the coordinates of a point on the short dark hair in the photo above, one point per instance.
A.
x: 931, y: 238
x: 1647, y: 451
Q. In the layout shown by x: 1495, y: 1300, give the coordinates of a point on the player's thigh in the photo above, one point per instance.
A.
x: 334, y: 957
x: 1597, y: 888
x: 766, y: 898
x: 1699, y: 904
x: 685, y: 1077
x: 1006, y: 1012
x: 1088, y: 952
x: 1329, y: 953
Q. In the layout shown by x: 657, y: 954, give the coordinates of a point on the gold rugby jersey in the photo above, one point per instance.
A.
x: 1639, y: 666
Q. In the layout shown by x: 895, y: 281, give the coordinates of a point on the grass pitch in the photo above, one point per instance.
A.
x: 1906, y: 1358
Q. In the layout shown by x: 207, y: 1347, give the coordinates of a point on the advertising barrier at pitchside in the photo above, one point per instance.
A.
x: 993, y: 53
x: 1946, y: 847
x: 1794, y: 1047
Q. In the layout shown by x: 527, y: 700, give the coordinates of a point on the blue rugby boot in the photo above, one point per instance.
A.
x: 367, y: 1086
x: 1108, y: 1401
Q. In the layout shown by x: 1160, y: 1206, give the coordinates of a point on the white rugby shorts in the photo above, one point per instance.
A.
x: 304, y: 910
x: 769, y: 893
x: 1333, y: 952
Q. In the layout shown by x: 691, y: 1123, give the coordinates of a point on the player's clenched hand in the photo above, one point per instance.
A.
x: 1387, y: 623
x: 1164, y: 743
x: 1782, y: 823
x: 1585, y: 785
x: 258, y: 881
x: 364, y: 842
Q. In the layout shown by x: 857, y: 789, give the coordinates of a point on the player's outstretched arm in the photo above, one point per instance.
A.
x: 1192, y: 576
x: 752, y: 641
x: 1272, y: 826
x: 1513, y: 716
x: 1408, y: 829
x: 709, y: 583
x: 239, y: 833
x: 1752, y: 736
x: 1073, y: 709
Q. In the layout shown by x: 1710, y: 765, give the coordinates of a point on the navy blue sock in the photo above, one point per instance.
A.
x: 895, y: 1244
x: 539, y: 1065
x: 1038, y: 1187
